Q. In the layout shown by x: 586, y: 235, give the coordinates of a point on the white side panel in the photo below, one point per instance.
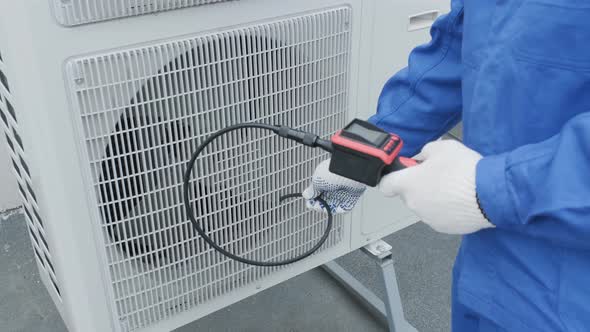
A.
x: 9, y: 197
x: 18, y: 153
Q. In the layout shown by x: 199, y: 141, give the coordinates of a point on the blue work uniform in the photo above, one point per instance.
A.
x: 517, y: 73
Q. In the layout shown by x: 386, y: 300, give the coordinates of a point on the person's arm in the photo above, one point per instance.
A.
x: 542, y: 189
x: 423, y: 101
x: 419, y: 103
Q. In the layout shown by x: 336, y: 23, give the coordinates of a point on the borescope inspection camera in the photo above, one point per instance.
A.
x: 361, y: 151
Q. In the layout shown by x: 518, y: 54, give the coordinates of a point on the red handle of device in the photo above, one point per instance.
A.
x: 407, y: 162
x: 400, y: 163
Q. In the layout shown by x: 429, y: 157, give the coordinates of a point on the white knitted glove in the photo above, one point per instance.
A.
x: 441, y: 190
x: 339, y: 192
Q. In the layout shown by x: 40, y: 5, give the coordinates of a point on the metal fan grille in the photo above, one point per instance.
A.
x: 76, y: 12
x: 143, y: 110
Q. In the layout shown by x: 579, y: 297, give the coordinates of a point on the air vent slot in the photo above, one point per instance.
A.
x: 4, y: 118
x: 22, y: 191
x: 42, y: 237
x: 32, y: 232
x: 75, y: 12
x: 18, y: 139
x: 39, y: 258
x: 24, y: 165
x: 29, y: 215
x: 16, y: 168
x: 9, y: 141
x: 138, y: 125
x: 4, y: 81
x: 48, y: 260
x: 10, y: 109
x: 39, y: 220
x: 56, y: 288
x: 31, y: 192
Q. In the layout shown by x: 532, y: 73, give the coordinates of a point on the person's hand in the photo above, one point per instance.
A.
x: 441, y: 190
x: 340, y: 193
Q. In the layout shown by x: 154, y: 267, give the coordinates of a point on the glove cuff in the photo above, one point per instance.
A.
x: 466, y: 212
x: 483, y: 212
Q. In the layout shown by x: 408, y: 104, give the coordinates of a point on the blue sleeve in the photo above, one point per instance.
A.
x: 542, y: 189
x: 423, y: 101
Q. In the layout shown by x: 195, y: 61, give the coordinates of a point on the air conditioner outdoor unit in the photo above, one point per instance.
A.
x: 102, y: 102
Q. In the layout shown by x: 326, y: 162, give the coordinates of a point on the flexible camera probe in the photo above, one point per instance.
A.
x: 361, y: 152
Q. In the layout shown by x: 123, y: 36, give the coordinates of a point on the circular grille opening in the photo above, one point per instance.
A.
x: 197, y: 93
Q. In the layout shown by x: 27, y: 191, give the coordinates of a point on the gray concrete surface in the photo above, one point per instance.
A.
x: 310, y: 302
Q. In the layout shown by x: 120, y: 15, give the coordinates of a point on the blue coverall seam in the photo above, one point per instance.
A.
x: 512, y: 197
x: 515, y: 201
x: 512, y: 194
x: 494, y: 303
x: 509, y: 166
x: 503, y: 221
x: 544, y: 154
x: 445, y: 53
x: 537, y: 60
x: 546, y: 4
x: 490, y: 302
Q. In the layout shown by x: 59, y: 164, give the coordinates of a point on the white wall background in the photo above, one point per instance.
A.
x: 8, y: 190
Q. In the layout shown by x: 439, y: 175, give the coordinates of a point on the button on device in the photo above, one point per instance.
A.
x: 391, y: 145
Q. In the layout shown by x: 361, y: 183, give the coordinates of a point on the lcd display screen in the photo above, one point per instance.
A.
x: 372, y: 137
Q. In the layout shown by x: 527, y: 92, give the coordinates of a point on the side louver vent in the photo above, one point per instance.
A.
x: 22, y: 173
x: 141, y: 111
x: 76, y: 12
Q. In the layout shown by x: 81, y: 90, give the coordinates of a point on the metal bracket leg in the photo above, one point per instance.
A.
x: 391, y: 311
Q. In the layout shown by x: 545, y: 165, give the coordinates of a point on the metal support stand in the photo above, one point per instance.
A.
x: 390, y: 312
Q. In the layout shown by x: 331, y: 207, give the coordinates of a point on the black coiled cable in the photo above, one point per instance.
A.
x: 310, y: 140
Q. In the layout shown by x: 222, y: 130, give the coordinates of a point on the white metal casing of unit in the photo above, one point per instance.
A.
x: 70, y: 86
x: 76, y: 12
